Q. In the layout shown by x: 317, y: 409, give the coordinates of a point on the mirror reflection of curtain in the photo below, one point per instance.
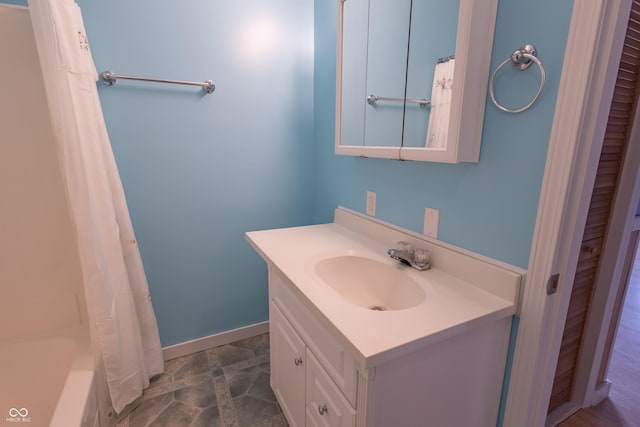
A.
x: 433, y: 35
x: 122, y: 320
x: 438, y: 129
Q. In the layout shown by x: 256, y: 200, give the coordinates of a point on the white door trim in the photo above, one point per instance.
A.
x: 589, y: 71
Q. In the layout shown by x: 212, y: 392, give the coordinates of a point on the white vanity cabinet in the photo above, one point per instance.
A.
x: 337, y: 363
x: 318, y: 383
x: 307, y: 394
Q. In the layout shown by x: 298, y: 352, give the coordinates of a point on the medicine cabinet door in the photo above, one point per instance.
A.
x: 430, y: 72
x: 374, y: 44
x: 388, y: 66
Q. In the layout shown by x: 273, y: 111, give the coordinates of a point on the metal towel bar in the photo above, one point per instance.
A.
x: 372, y: 99
x: 109, y: 78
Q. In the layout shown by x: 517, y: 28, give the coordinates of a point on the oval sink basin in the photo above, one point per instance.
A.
x: 369, y: 283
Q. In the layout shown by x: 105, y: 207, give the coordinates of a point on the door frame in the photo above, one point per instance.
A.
x: 589, y: 71
x: 612, y: 277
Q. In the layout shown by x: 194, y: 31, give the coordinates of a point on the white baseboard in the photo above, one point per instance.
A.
x: 566, y: 410
x: 561, y: 413
x: 600, y: 393
x: 222, y: 338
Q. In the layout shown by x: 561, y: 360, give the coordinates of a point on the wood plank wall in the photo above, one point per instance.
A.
x: 611, y: 158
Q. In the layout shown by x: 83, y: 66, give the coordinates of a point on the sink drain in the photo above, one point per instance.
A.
x: 377, y: 308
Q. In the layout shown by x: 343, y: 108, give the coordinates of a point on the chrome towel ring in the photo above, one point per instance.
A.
x: 521, y: 60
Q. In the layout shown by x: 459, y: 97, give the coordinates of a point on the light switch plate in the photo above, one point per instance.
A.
x: 431, y: 220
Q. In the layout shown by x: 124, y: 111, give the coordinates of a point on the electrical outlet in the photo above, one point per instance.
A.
x: 371, y: 203
x: 431, y: 219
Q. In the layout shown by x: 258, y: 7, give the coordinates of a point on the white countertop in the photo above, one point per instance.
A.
x: 451, y: 306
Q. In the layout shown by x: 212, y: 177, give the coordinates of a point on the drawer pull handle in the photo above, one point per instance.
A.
x: 322, y: 409
x: 298, y: 361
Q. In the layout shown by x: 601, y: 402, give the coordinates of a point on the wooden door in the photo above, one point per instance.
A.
x: 610, y: 164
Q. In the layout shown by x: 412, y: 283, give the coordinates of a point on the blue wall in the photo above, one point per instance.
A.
x: 489, y: 207
x: 200, y: 170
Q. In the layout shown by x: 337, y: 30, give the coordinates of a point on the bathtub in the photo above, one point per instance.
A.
x: 48, y: 381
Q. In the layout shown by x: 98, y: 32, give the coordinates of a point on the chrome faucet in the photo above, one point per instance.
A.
x: 416, y: 258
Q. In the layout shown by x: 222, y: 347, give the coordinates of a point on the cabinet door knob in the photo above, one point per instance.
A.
x: 322, y: 409
x: 298, y: 361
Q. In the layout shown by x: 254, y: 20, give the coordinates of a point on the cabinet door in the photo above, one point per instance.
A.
x: 287, y: 367
x: 334, y: 358
x: 326, y: 406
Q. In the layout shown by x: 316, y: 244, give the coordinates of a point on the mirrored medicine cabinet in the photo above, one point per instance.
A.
x: 412, y: 78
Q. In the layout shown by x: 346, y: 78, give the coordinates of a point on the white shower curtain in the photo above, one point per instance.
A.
x: 115, y: 285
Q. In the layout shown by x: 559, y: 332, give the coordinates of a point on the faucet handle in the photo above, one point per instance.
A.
x: 403, y: 245
x: 421, y: 257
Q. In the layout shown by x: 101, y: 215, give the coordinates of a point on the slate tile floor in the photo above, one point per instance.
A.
x: 221, y: 386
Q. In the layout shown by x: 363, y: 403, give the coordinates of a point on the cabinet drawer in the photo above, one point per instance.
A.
x: 332, y: 356
x: 325, y: 404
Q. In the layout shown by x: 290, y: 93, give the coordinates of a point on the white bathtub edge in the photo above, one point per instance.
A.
x: 76, y: 401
